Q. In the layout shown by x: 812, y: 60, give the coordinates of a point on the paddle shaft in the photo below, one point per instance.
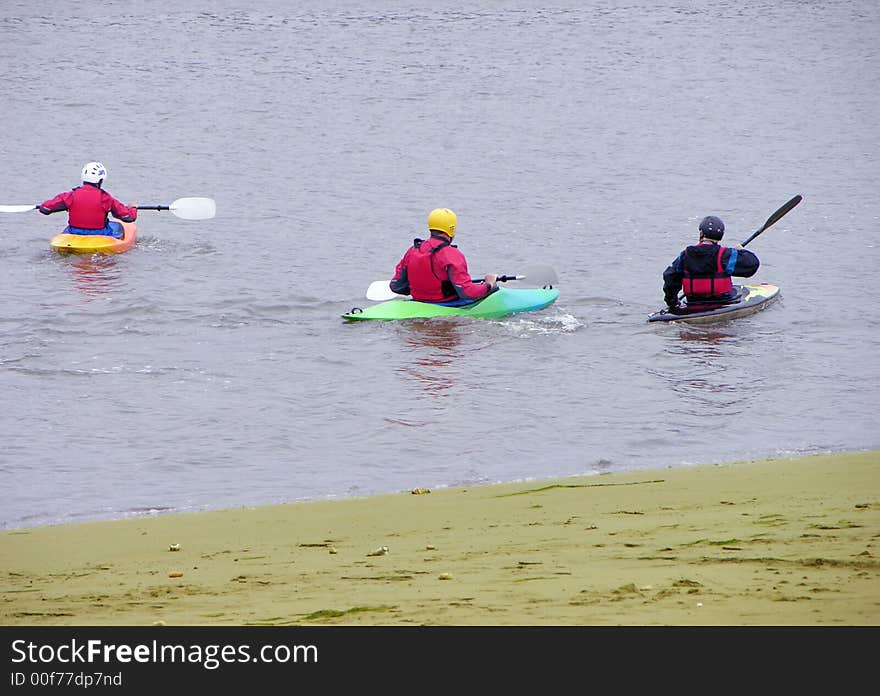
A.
x: 380, y: 291
x: 187, y: 208
x: 773, y: 219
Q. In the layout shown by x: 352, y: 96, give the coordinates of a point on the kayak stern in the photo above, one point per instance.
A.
x: 95, y: 243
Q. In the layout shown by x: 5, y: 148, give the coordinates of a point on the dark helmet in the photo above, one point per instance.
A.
x: 712, y: 227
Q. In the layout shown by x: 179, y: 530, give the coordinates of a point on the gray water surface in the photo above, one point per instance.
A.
x: 209, y: 366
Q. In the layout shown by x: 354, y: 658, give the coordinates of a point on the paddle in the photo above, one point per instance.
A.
x: 773, y: 219
x: 16, y: 208
x: 379, y: 290
x: 187, y: 208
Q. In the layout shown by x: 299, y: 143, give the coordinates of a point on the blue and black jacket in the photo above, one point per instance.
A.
x: 704, y: 271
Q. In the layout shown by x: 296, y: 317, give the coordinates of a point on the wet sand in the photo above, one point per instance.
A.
x: 791, y: 541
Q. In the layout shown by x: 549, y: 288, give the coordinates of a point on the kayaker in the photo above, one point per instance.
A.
x: 704, y: 270
x: 89, y: 205
x: 434, y: 270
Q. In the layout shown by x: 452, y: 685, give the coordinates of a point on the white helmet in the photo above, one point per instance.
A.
x: 94, y: 173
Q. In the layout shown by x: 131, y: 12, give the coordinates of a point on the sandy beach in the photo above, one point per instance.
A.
x: 792, y: 541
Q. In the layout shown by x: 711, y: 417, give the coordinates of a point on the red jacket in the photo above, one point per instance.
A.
x: 434, y: 270
x: 88, y: 206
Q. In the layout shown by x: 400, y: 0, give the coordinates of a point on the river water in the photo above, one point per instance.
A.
x: 209, y: 367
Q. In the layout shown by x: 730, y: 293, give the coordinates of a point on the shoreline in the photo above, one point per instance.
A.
x: 788, y: 541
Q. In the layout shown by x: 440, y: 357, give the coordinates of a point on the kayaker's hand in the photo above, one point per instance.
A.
x: 739, y: 246
x: 491, y: 280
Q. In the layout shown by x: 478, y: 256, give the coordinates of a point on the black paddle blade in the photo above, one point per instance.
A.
x: 773, y: 219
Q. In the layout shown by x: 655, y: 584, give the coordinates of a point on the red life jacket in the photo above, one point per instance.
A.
x: 427, y: 278
x: 88, y: 208
x: 434, y: 270
x: 704, y: 282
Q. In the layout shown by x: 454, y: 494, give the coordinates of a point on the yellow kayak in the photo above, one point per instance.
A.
x: 95, y: 243
x: 750, y: 299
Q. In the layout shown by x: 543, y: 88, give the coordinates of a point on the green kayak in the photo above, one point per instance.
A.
x: 499, y: 304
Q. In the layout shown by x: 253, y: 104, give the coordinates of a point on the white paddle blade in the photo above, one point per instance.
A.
x: 16, y: 208
x: 194, y: 208
x: 380, y: 290
x: 538, y: 275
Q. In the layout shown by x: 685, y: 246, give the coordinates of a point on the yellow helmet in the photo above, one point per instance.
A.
x: 442, y: 220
